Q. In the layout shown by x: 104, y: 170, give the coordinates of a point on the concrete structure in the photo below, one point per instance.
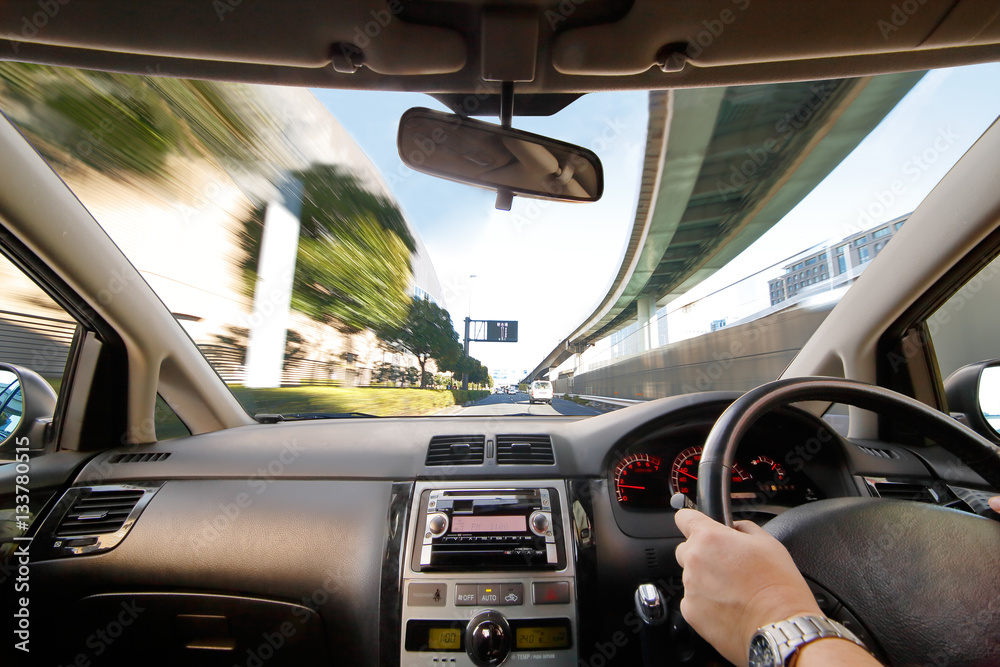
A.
x: 722, y: 166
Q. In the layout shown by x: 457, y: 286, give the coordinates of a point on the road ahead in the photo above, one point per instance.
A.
x: 517, y: 404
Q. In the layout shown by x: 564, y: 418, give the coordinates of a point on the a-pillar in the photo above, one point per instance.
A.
x: 272, y: 296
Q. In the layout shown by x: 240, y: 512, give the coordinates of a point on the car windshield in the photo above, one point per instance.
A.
x: 321, y: 277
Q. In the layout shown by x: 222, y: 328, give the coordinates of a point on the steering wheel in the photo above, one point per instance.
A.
x: 923, y: 580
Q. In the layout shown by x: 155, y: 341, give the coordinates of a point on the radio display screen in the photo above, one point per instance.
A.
x: 489, y: 524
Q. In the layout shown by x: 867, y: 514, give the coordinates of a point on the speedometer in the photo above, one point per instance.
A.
x: 684, y: 473
x: 639, y: 482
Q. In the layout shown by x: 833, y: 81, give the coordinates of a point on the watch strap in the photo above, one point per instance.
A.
x: 792, y: 634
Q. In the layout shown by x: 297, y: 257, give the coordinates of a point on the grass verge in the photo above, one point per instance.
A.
x: 378, y: 401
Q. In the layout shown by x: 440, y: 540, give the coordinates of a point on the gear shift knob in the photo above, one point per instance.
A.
x: 650, y: 605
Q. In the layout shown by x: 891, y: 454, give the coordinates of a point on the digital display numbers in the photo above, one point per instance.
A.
x: 527, y: 638
x: 444, y: 639
x: 489, y: 524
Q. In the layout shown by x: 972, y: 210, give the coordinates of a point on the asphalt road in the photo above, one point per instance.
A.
x: 517, y: 404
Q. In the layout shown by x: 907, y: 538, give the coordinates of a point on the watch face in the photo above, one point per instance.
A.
x: 761, y: 653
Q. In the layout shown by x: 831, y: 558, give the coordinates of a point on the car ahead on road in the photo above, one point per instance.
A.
x: 316, y: 538
x: 540, y: 392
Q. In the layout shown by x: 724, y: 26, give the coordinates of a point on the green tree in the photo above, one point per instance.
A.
x: 353, y: 264
x: 127, y: 124
x: 427, y: 333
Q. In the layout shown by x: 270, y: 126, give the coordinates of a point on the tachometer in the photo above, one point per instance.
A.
x: 639, y: 482
x: 684, y: 473
x: 769, y: 469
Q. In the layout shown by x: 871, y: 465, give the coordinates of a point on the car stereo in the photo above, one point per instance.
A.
x: 497, y: 529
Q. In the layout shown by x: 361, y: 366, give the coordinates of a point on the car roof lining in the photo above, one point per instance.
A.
x: 613, y: 45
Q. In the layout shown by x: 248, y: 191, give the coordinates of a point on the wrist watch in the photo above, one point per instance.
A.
x: 773, y: 645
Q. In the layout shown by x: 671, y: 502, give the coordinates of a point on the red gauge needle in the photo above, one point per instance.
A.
x: 626, y: 486
x: 690, y: 476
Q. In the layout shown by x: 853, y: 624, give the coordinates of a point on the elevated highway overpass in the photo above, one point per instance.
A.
x: 722, y: 166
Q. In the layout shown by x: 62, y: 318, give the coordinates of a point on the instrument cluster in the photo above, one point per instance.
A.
x: 648, y: 478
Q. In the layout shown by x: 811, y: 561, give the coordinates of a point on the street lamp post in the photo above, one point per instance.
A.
x: 468, y: 319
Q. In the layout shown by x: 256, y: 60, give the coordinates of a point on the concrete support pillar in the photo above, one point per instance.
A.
x: 661, y: 324
x: 272, y: 296
x: 647, y: 308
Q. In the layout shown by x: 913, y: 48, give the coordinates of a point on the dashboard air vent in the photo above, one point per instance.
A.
x: 905, y: 491
x: 451, y: 450
x: 525, y: 450
x: 880, y: 453
x: 139, y: 458
x: 99, y: 512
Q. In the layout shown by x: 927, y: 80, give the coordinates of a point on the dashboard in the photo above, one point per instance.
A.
x: 352, y: 536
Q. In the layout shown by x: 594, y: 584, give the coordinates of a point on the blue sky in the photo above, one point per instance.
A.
x: 546, y: 264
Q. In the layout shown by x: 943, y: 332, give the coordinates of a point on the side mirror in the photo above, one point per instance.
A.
x: 499, y: 158
x: 27, y: 403
x: 974, y: 391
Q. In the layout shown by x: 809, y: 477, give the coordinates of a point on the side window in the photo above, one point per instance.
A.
x: 167, y: 424
x: 35, y: 333
x: 966, y: 328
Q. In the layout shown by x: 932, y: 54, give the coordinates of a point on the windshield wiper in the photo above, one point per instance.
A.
x: 270, y: 418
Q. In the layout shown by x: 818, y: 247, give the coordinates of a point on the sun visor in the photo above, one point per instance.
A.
x: 732, y: 32
x: 288, y: 33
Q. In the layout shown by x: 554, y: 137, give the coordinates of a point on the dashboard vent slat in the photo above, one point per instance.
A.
x: 906, y: 491
x: 450, y: 450
x: 530, y: 449
x: 145, y: 457
x: 98, y: 513
x: 878, y: 452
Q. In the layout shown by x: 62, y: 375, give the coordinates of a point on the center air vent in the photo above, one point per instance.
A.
x: 452, y: 450
x: 904, y: 491
x: 99, y: 512
x: 525, y: 450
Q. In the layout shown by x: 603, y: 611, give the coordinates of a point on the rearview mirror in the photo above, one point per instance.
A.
x: 503, y: 159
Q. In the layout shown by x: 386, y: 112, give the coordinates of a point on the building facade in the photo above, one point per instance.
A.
x: 834, y: 264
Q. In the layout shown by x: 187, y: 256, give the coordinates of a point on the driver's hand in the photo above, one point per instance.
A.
x: 995, y: 504
x: 735, y: 581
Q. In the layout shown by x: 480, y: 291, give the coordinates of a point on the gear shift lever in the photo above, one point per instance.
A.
x: 652, y: 609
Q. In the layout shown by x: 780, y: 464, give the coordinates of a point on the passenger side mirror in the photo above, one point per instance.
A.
x: 989, y: 396
x: 27, y: 404
x: 974, y: 391
x: 499, y: 158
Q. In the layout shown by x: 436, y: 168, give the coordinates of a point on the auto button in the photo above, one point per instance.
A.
x: 489, y: 594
